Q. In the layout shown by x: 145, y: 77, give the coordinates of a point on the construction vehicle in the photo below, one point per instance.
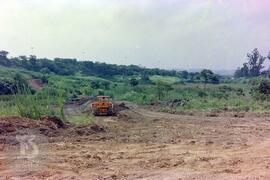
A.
x: 103, y: 106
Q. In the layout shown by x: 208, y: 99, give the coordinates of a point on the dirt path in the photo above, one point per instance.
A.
x: 36, y: 84
x: 141, y: 144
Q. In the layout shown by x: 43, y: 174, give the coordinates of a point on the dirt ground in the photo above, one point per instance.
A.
x: 140, y: 144
x: 36, y: 84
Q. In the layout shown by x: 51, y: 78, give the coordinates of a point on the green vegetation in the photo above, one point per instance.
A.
x: 82, y: 119
x: 167, y: 79
x: 7, y: 106
x: 36, y: 105
x: 203, y: 90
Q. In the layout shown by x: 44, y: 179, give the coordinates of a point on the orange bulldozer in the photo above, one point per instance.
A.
x: 103, y: 106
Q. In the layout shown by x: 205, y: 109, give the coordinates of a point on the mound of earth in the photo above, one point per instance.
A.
x: 81, y: 100
x: 56, y: 120
x: 120, y: 107
x: 51, y: 127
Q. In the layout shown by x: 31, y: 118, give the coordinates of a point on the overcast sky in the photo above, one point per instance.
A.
x: 182, y: 34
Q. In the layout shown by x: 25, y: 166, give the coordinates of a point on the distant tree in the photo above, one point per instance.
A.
x: 145, y: 79
x: 133, y: 81
x: 3, y: 54
x: 255, y: 62
x: 23, y: 58
x: 242, y: 72
x: 3, y: 59
x: 33, y: 63
x: 253, y: 67
x: 45, y: 70
x: 214, y: 79
x: 206, y: 76
x: 63, y: 66
x: 184, y: 74
x: 95, y: 84
x: 105, y: 84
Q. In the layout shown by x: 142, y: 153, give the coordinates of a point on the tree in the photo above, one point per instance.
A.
x: 253, y: 67
x: 133, y: 81
x: 105, y: 84
x: 45, y: 70
x: 255, y: 62
x: 3, y: 54
x: 206, y: 75
x: 184, y: 74
x: 95, y: 84
x: 33, y: 63
x: 3, y: 59
x: 214, y: 79
x: 242, y: 72
x: 145, y: 79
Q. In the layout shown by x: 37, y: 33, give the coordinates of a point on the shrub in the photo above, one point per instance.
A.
x: 7, y: 87
x: 225, y: 89
x: 133, y: 82
x: 100, y: 92
x: 202, y: 94
x: 95, y: 84
x: 260, y: 89
x: 240, y: 92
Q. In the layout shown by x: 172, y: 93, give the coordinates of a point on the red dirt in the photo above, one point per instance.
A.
x: 51, y: 127
x: 36, y: 84
x: 141, y: 144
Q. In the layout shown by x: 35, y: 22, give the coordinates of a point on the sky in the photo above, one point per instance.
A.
x: 168, y: 34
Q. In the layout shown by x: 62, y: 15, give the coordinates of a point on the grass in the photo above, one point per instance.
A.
x: 212, y: 97
x: 10, y: 72
x: 7, y: 109
x: 167, y: 79
x: 82, y: 119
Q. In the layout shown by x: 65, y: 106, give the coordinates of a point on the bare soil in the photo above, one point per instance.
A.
x: 36, y: 84
x: 140, y: 144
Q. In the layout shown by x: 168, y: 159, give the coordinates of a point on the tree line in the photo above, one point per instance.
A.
x: 64, y: 66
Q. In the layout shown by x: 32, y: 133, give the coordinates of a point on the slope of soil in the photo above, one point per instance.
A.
x: 142, y: 144
x: 36, y: 84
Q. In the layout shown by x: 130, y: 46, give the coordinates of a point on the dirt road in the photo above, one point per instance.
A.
x: 142, y: 144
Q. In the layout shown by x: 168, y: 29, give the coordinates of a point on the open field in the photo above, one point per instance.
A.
x: 143, y: 144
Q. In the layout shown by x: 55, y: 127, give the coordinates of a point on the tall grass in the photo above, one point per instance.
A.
x: 35, y: 106
x: 7, y: 109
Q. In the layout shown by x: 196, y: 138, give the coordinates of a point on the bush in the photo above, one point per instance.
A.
x: 7, y: 87
x: 260, y: 89
x: 202, y: 94
x: 101, y: 92
x: 133, y: 82
x: 95, y: 84
x: 44, y: 80
x: 225, y: 89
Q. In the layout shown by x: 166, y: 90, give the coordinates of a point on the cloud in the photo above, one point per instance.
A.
x: 175, y: 33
